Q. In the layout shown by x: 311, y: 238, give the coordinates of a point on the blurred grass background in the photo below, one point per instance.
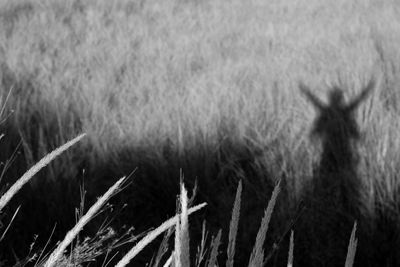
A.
x: 206, y: 88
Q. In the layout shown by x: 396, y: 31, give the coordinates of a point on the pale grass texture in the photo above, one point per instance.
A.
x: 351, y: 251
x: 257, y: 255
x: 59, y: 251
x: 35, y: 169
x: 153, y: 234
x: 233, y: 228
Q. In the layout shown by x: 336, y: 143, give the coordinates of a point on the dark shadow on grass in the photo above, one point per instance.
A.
x: 217, y: 168
x: 334, y: 198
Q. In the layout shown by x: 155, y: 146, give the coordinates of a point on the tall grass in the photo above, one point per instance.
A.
x: 209, y: 87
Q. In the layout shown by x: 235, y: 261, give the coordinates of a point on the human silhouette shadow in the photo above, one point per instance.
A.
x: 337, y: 128
x: 334, y: 198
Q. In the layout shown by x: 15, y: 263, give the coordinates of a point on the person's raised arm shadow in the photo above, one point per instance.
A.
x: 364, y: 94
x: 312, y: 98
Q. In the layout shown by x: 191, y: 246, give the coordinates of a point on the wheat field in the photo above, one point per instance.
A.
x: 206, y: 92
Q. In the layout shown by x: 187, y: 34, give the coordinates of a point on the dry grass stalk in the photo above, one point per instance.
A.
x: 9, y: 224
x: 182, y: 233
x: 351, y: 251
x: 214, y: 252
x: 162, y: 249
x: 202, y: 249
x: 35, y: 169
x: 291, y: 246
x: 169, y: 261
x: 257, y: 255
x: 58, y: 252
x: 152, y: 235
x: 233, y: 228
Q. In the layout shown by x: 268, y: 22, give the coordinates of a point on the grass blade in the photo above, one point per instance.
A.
x: 182, y: 233
x: 233, y: 228
x: 9, y: 224
x: 257, y: 255
x: 152, y: 235
x: 169, y: 261
x: 58, y: 252
x: 291, y: 246
x: 35, y: 169
x: 351, y: 251
x: 214, y: 252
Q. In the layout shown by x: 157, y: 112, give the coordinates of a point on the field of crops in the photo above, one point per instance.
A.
x: 304, y: 93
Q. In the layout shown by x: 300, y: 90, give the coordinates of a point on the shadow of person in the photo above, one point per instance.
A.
x: 337, y: 127
x: 334, y: 202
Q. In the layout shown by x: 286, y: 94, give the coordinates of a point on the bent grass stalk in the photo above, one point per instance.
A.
x: 35, y: 169
x: 58, y: 252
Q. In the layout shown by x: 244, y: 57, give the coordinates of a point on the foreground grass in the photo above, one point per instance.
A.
x: 180, y: 255
x: 57, y: 257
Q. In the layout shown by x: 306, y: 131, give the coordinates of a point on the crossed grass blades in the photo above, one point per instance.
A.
x: 180, y: 255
